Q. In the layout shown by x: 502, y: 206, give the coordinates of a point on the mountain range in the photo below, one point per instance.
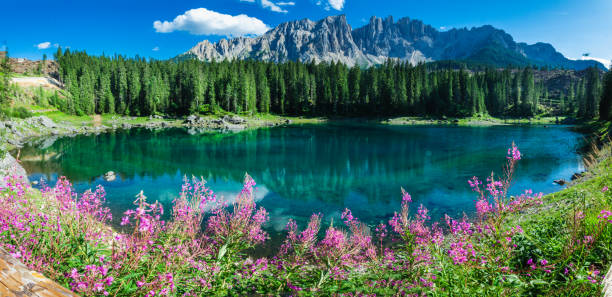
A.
x: 333, y: 39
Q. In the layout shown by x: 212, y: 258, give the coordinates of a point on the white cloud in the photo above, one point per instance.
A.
x: 155, y: 49
x: 272, y: 6
x: 43, y: 45
x: 606, y: 62
x: 201, y: 21
x: 276, y: 7
x: 336, y: 4
x: 329, y: 4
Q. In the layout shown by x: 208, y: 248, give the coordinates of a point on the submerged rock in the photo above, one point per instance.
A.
x: 577, y: 175
x: 110, y: 176
x: 560, y: 182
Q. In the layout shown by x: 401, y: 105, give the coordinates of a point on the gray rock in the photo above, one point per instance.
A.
x: 10, y: 167
x: 110, y: 176
x: 45, y: 122
x: 577, y: 175
x: 217, y: 121
x: 236, y: 120
x: 333, y: 39
x: 14, y: 142
x: 47, y: 142
x: 192, y: 120
x: 607, y: 283
x: 560, y: 182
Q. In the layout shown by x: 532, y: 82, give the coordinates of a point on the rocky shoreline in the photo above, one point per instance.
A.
x: 19, y: 131
x: 14, y: 133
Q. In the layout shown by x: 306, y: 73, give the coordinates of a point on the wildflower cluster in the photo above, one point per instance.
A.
x: 202, y: 250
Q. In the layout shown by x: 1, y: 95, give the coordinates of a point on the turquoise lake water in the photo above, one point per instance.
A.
x: 301, y: 170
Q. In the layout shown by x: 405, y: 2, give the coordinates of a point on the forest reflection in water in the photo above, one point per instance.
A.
x: 305, y: 169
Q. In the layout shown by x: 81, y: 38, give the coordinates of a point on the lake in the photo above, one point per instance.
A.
x: 305, y: 169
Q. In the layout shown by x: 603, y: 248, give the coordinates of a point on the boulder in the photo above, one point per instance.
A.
x: 110, y: 176
x: 576, y: 175
x: 17, y: 133
x: 14, y: 142
x: 560, y: 182
x: 193, y: 120
x: 10, y: 167
x: 236, y: 120
x: 46, y: 122
x: 217, y: 121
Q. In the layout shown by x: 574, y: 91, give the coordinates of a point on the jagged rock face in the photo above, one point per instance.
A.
x: 332, y: 39
x: 405, y: 40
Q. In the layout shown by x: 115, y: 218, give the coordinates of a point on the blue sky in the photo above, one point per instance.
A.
x: 129, y: 27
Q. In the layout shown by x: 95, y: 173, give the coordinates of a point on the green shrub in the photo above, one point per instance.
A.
x: 21, y: 112
x: 15, y: 112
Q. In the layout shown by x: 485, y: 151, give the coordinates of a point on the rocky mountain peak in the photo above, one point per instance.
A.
x: 333, y: 39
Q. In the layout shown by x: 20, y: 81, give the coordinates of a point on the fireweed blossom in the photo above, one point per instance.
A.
x: 201, y: 251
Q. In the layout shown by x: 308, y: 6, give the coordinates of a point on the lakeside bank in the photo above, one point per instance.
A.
x: 543, y: 232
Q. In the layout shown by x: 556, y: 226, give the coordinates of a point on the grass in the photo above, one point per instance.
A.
x: 557, y: 245
x: 483, y: 120
x: 561, y: 247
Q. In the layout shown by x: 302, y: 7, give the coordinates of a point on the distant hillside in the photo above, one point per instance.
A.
x: 333, y: 39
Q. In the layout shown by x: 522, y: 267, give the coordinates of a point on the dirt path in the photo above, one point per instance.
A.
x: 97, y: 120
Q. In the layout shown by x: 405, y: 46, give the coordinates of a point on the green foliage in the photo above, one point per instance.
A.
x: 16, y: 112
x: 2, y: 144
x: 145, y: 87
x: 560, y: 248
x: 5, y: 78
x: 605, y: 106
